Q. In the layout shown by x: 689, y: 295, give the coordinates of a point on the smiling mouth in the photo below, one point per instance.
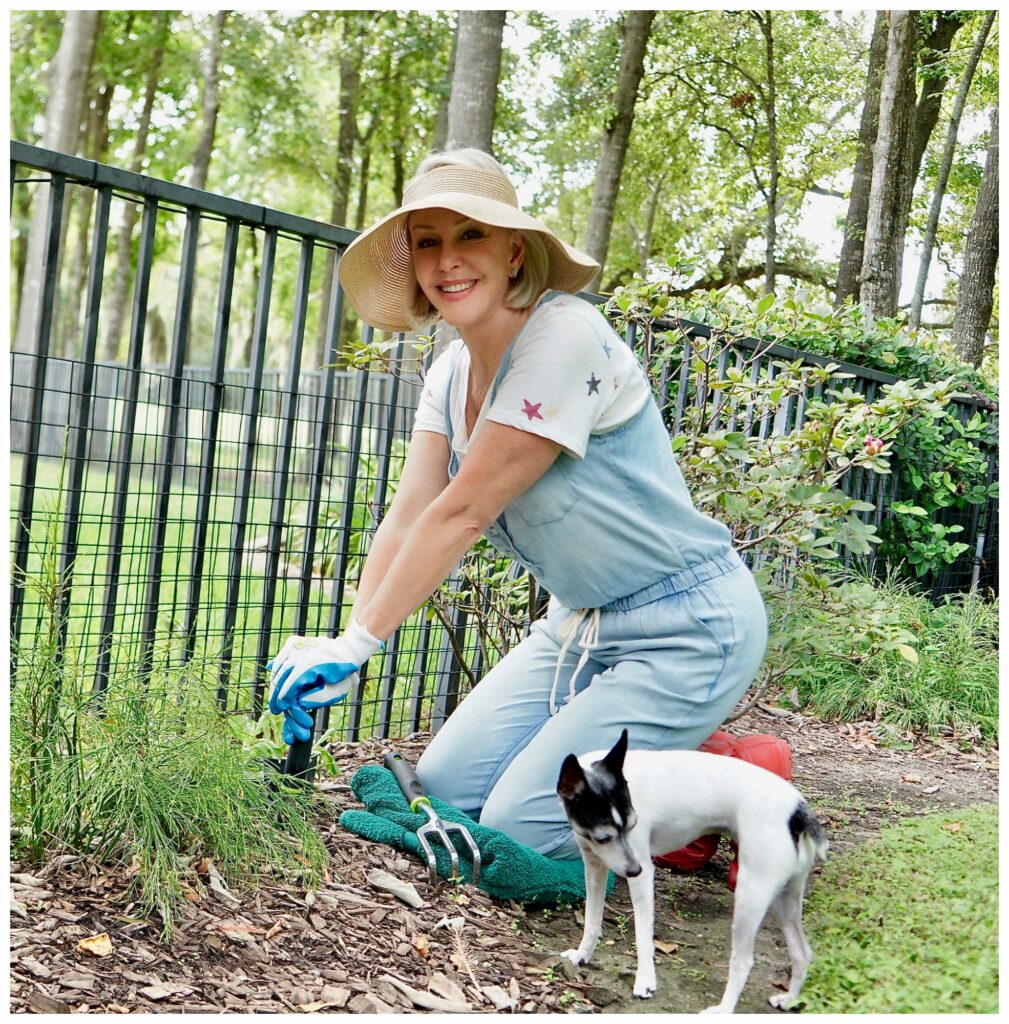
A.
x: 456, y: 289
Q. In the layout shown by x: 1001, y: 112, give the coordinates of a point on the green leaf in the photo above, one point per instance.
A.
x: 908, y: 653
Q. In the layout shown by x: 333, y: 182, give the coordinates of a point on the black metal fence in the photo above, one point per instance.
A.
x: 208, y: 511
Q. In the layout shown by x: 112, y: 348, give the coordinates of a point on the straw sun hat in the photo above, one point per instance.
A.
x: 376, y: 271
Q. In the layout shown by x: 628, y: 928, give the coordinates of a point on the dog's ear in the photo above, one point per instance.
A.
x: 614, y: 760
x: 572, y: 778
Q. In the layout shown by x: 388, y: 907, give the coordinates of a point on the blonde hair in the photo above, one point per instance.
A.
x: 531, y: 280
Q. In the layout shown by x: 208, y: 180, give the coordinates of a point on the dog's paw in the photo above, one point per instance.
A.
x: 644, y: 988
x: 717, y: 1009
x: 780, y: 1001
x: 576, y: 957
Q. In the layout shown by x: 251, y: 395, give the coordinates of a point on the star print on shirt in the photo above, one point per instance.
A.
x: 532, y: 411
x: 607, y: 350
x: 593, y: 384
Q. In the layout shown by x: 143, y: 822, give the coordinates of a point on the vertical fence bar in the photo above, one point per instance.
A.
x: 141, y: 291
x: 391, y: 660
x: 81, y: 409
x: 347, y: 522
x: 321, y: 453
x: 288, y: 415
x: 169, y: 438
x: 681, y: 395
x: 446, y: 693
x: 208, y: 452
x: 416, y: 709
x: 43, y: 325
x: 250, y: 411
x: 298, y: 760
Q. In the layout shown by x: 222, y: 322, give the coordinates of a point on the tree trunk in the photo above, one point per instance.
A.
x: 211, y: 103
x: 475, y: 74
x: 645, y: 248
x: 124, y: 247
x: 974, y: 305
x: 850, y: 264
x: 936, y: 55
x: 931, y: 228
x: 616, y: 135
x: 96, y: 145
x: 441, y: 118
x: 886, y: 223
x: 772, y: 147
x: 350, y: 86
x: 68, y: 76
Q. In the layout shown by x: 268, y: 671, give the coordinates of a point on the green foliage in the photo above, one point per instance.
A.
x: 146, y: 773
x: 781, y: 494
x: 952, y: 681
x: 908, y: 923
x: 494, y: 596
x: 940, y: 462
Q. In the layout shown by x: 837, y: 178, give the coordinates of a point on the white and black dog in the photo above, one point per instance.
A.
x: 627, y: 806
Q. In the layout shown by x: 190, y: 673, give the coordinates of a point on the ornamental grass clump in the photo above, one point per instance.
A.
x: 952, y: 680
x: 146, y: 774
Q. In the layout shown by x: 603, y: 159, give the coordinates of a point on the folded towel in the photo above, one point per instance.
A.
x: 509, y: 870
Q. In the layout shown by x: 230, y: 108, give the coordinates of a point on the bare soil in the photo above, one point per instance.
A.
x: 352, y: 947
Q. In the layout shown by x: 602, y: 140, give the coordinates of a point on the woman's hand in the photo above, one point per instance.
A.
x: 312, y: 672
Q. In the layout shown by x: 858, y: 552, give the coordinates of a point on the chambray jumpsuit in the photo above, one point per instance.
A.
x: 678, y: 637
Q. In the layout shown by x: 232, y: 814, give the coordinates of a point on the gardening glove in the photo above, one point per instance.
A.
x: 509, y: 869
x: 311, y: 672
x: 298, y: 724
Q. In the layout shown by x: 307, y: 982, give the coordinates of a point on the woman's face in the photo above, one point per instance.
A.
x: 462, y: 265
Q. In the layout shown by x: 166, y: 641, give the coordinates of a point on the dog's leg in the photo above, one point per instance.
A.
x: 753, y: 897
x: 596, y: 873
x: 643, y: 900
x: 787, y: 909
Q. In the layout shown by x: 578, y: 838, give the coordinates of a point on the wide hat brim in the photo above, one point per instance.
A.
x: 376, y: 271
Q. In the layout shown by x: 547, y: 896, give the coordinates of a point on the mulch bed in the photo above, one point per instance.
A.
x: 352, y: 947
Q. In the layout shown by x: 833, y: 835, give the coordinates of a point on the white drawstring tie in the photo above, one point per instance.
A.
x: 588, y: 641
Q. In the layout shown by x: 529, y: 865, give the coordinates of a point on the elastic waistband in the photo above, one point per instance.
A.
x: 678, y: 582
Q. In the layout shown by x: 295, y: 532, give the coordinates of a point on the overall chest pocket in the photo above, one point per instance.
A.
x: 548, y: 500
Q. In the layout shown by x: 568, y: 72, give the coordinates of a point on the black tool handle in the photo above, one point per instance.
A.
x: 412, y: 787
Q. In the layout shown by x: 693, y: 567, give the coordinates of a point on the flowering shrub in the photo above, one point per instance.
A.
x: 782, y: 494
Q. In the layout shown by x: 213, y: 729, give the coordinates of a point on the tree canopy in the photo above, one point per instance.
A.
x: 737, y: 169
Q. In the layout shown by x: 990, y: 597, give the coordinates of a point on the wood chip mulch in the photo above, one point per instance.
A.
x: 78, y: 944
x: 348, y: 946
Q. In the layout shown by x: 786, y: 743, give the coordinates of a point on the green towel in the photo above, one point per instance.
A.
x: 509, y: 870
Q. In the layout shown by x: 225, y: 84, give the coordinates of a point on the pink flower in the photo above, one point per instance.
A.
x: 873, y: 445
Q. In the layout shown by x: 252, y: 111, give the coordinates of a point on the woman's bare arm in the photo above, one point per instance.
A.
x: 501, y: 463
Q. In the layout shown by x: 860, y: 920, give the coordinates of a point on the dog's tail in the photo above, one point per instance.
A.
x: 804, y: 825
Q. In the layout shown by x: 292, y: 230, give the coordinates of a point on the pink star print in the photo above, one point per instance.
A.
x: 532, y: 411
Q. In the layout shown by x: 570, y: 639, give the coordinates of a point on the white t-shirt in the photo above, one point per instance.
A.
x: 569, y: 376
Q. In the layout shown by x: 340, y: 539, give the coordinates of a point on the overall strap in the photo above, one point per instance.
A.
x: 506, y: 358
x: 448, y: 398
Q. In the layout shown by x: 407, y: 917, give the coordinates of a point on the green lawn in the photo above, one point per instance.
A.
x: 89, y: 583
x: 908, y: 923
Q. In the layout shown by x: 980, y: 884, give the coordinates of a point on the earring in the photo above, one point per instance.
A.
x: 514, y: 273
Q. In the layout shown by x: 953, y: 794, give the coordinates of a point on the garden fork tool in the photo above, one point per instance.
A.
x: 413, y: 790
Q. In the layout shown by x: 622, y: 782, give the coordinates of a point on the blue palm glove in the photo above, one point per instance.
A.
x: 312, y: 672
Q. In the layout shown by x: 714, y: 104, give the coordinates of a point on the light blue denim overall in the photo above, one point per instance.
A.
x: 654, y: 624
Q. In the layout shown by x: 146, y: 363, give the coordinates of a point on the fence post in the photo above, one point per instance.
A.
x: 251, y: 411
x: 170, y: 439
x: 208, y: 449
x: 43, y: 326
x: 141, y: 290
x: 82, y: 410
